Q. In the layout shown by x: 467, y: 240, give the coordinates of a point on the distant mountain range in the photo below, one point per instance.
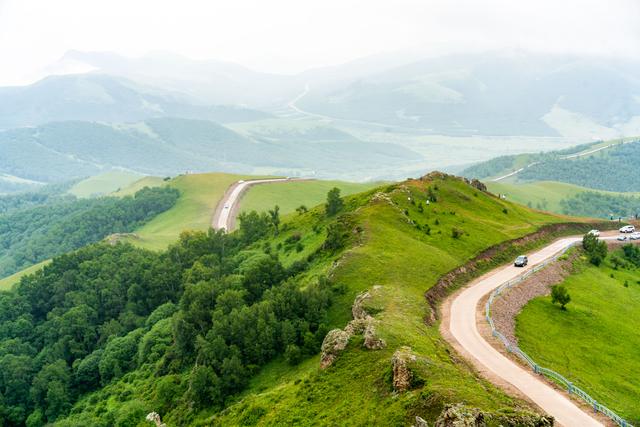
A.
x: 105, y: 98
x: 67, y: 150
x: 165, y: 114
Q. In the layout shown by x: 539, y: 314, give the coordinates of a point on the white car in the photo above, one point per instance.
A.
x: 634, y: 236
x: 622, y: 238
x: 628, y: 229
x: 594, y: 233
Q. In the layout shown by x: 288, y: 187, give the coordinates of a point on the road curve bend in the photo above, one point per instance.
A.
x: 462, y: 327
x: 227, y: 208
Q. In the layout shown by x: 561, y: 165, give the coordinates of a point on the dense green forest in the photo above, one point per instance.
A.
x: 33, y: 234
x: 615, y: 169
x: 49, y: 194
x: 601, y: 205
x: 199, y: 319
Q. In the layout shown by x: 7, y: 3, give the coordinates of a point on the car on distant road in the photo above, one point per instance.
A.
x: 622, y: 238
x: 226, y: 206
x: 628, y: 229
x: 241, y: 181
x: 594, y: 233
x: 634, y: 236
x: 521, y: 261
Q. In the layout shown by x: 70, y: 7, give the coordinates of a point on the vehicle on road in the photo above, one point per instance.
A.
x: 622, y: 238
x: 521, y: 261
x: 634, y: 236
x: 627, y: 229
x: 241, y: 181
x: 226, y: 206
x: 594, y: 233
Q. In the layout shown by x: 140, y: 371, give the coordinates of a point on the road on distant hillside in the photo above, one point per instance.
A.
x: 227, y: 209
x: 567, y: 157
x: 460, y: 327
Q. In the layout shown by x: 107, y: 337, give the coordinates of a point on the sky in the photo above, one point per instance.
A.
x: 288, y: 36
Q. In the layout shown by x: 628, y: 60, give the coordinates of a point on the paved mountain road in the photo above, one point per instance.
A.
x: 225, y: 213
x: 461, y: 328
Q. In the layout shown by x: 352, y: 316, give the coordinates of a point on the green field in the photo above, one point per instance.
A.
x: 595, y: 343
x: 545, y: 195
x: 8, y: 282
x: 199, y: 195
x: 291, y: 194
x: 103, y: 184
x: 132, y: 188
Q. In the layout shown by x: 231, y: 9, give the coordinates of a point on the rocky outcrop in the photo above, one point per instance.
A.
x: 402, y: 375
x: 334, y: 343
x: 420, y: 423
x: 371, y: 340
x: 154, y: 417
x: 460, y: 415
x: 357, y: 309
x: 362, y: 324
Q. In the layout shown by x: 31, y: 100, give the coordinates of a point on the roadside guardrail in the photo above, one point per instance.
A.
x: 513, y: 348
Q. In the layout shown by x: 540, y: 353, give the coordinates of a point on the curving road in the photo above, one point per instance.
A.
x: 462, y: 328
x: 227, y: 208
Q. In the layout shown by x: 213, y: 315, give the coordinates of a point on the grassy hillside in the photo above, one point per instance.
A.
x: 545, y: 195
x: 569, y: 199
x: 199, y: 195
x: 147, y: 181
x: 292, y: 194
x: 103, y: 184
x: 8, y: 282
x: 595, y: 343
x: 405, y: 262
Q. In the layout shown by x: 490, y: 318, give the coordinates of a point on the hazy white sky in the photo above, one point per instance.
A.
x: 292, y: 35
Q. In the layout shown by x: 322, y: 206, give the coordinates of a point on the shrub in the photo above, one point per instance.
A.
x: 560, y: 295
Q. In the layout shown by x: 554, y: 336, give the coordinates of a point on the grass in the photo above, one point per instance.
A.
x: 199, y: 195
x: 544, y: 195
x: 291, y: 194
x: 405, y: 261
x: 9, y: 281
x: 103, y: 184
x: 595, y: 342
x: 147, y: 181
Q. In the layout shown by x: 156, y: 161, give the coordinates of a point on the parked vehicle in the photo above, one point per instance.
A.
x: 628, y: 229
x: 521, y: 261
x: 594, y: 233
x: 622, y: 238
x: 634, y: 236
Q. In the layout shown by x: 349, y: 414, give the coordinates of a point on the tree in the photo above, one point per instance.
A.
x: 595, y: 248
x: 274, y: 215
x: 560, y: 295
x: 301, y: 209
x: 334, y: 202
x: 204, y: 387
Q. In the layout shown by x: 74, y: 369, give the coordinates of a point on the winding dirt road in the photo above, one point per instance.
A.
x: 226, y: 211
x: 460, y: 327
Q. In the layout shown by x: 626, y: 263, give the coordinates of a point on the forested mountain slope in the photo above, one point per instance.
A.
x: 226, y: 329
x: 32, y: 234
x: 69, y: 150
